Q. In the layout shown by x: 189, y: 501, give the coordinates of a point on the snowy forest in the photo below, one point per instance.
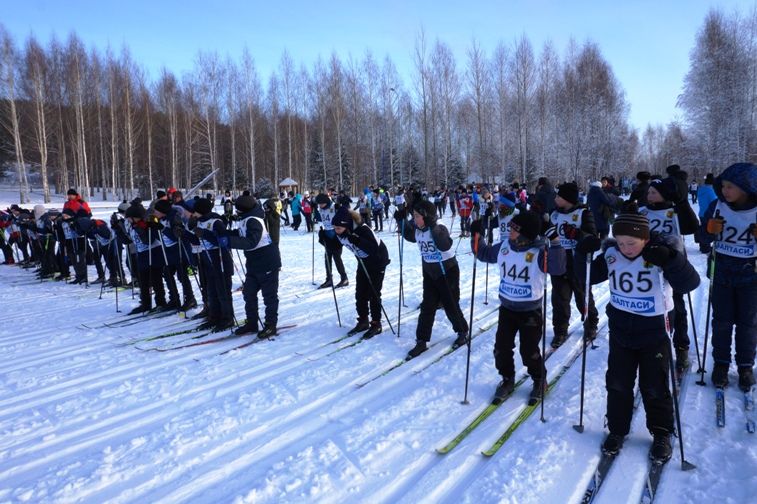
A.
x: 90, y: 117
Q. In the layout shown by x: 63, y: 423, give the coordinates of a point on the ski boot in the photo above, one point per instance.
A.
x: 719, y: 375
x: 362, y: 325
x: 661, y: 450
x: 612, y: 444
x: 419, y: 348
x: 746, y: 378
x: 504, y: 389
x: 375, y: 328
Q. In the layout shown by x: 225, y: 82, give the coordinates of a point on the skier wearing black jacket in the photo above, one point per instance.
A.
x: 215, y: 259
x: 372, y: 257
x: 149, y: 260
x: 263, y: 266
x: 666, y: 211
x: 643, y: 271
x: 574, y: 224
x: 166, y: 221
x: 327, y: 237
x: 441, y: 275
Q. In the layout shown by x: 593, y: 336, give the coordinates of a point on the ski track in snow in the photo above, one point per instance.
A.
x: 85, y: 416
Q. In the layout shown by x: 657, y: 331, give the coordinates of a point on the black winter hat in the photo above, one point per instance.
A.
x: 136, y: 212
x: 160, y: 194
x: 69, y: 212
x: 569, y: 192
x: 672, y: 169
x: 631, y: 223
x: 644, y: 175
x: 528, y: 224
x: 343, y: 218
x: 163, y: 206
x: 72, y: 192
x: 666, y: 187
x: 203, y: 206
x: 322, y: 199
x: 709, y: 179
x: 245, y: 203
x: 427, y: 210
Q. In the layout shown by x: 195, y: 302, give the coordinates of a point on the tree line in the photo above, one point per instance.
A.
x: 86, y: 118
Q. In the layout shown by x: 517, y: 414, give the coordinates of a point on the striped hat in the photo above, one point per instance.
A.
x: 631, y: 223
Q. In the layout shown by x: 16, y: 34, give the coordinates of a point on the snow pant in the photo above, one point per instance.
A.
x: 218, y: 282
x: 563, y: 286
x: 113, y: 261
x: 439, y: 209
x: 528, y: 325
x: 285, y: 216
x: 734, y: 305
x: 378, y: 219
x: 364, y: 298
x: 399, y: 221
x: 309, y: 222
x: 386, y: 210
x: 170, y: 272
x: 150, y: 274
x: 296, y: 221
x: 334, y: 252
x: 365, y: 215
x: 464, y: 225
x: 7, y: 250
x: 445, y: 289
x: 20, y: 241
x: 652, y: 363
x: 96, y: 256
x: 77, y: 255
x: 47, y: 259
x: 680, y: 322
x: 267, y: 283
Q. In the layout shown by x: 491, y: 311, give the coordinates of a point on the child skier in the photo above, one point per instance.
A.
x: 327, y: 237
x: 643, y: 270
x: 521, y: 262
x: 372, y: 257
x: 441, y: 276
x: 669, y: 214
x: 263, y: 266
x: 574, y: 223
x: 731, y: 222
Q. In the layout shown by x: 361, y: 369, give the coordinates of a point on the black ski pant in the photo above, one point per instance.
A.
x: 150, y: 276
x: 527, y: 324
x: 77, y: 255
x: 445, y: 289
x: 20, y: 241
x: 267, y: 283
x: 563, y: 288
x: 309, y: 222
x: 365, y: 215
x: 334, y: 252
x: 218, y: 283
x: 296, y: 221
x: 378, y: 220
x: 364, y: 297
x: 734, y: 306
x: 7, y: 250
x: 652, y: 364
x: 96, y: 254
x: 47, y: 259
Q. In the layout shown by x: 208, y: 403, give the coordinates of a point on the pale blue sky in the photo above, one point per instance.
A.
x: 646, y: 42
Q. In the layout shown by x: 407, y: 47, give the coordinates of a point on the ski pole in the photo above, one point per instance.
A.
x: 470, y: 324
x: 312, y: 255
x: 333, y: 289
x: 486, y: 284
x: 400, y: 240
x: 685, y: 465
x: 544, y: 333
x: 375, y: 293
x: 102, y: 284
x: 585, y: 316
x: 115, y: 245
x: 189, y: 264
x: 688, y: 295
x: 711, y: 274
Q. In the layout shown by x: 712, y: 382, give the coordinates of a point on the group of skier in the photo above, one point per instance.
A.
x: 549, y: 234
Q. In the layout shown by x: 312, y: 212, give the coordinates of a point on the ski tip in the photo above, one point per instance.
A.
x: 579, y: 428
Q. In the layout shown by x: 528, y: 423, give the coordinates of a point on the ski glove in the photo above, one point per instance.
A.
x: 659, y: 255
x: 571, y: 232
x: 589, y: 245
x: 322, y: 237
x: 715, y: 226
x: 400, y: 214
x: 551, y: 233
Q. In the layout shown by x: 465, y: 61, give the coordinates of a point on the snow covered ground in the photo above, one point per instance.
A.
x: 85, y: 416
